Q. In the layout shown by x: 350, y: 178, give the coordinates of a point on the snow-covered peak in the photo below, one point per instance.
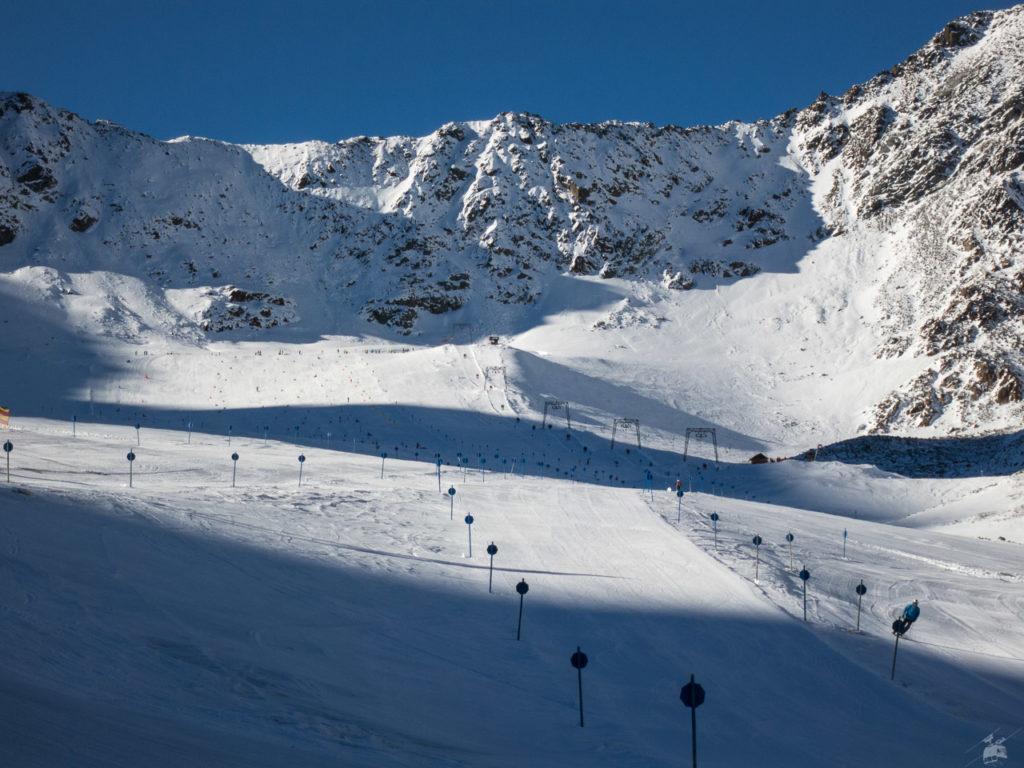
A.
x: 902, y: 197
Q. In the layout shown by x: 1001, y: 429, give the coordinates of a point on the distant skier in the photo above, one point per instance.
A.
x: 911, y: 612
x: 906, y: 619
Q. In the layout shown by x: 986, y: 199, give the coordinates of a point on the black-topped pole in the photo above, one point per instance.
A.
x: 8, y: 447
x: 804, y: 576
x: 234, y: 466
x: 492, y: 551
x: 861, y: 590
x: 789, y: 540
x: 522, y: 588
x: 579, y: 660
x: 131, y: 460
x: 757, y: 556
x: 692, y: 696
x: 898, y: 628
x: 469, y: 527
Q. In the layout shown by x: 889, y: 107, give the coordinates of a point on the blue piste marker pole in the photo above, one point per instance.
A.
x: 482, y: 462
x: 131, y: 459
x: 522, y: 463
x: 679, y: 505
x: 789, y: 540
x: 8, y: 447
x: 234, y: 466
x: 469, y: 527
x: 138, y: 439
x: 844, y: 543
x: 382, y: 457
x: 451, y: 496
x: 714, y: 522
x: 757, y: 556
x: 438, y: 462
x: 302, y: 460
x: 74, y: 422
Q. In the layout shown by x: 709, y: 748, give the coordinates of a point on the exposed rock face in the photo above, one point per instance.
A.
x: 232, y: 308
x: 478, y: 218
x: 932, y: 151
x: 517, y: 199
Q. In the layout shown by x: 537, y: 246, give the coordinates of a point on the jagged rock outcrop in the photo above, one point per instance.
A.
x: 931, y: 152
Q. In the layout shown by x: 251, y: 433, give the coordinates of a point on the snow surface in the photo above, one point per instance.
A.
x: 179, y: 620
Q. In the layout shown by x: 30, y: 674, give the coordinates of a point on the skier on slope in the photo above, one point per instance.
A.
x: 906, y: 619
x: 911, y: 612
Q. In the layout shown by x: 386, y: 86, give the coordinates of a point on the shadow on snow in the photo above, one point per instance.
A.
x: 132, y: 639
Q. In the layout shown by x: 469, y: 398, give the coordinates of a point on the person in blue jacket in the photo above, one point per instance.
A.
x: 911, y: 612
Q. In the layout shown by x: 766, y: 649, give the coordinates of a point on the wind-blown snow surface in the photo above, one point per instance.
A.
x: 180, y: 620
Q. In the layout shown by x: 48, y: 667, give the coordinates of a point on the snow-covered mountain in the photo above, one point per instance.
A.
x: 900, y: 202
x: 245, y: 384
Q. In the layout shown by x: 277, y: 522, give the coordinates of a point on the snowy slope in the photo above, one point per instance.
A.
x: 183, y: 620
x: 886, y: 221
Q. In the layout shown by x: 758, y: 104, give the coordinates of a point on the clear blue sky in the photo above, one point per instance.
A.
x: 292, y: 70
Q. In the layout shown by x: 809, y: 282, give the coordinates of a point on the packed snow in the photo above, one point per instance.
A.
x: 185, y: 608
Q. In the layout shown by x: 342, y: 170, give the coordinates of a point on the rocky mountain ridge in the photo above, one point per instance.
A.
x: 473, y: 223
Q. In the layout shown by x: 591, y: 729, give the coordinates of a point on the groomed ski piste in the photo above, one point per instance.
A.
x: 188, y: 609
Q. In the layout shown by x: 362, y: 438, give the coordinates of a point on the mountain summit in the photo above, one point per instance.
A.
x: 900, y: 201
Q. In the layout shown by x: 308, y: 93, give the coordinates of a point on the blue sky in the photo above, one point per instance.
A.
x: 267, y: 72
